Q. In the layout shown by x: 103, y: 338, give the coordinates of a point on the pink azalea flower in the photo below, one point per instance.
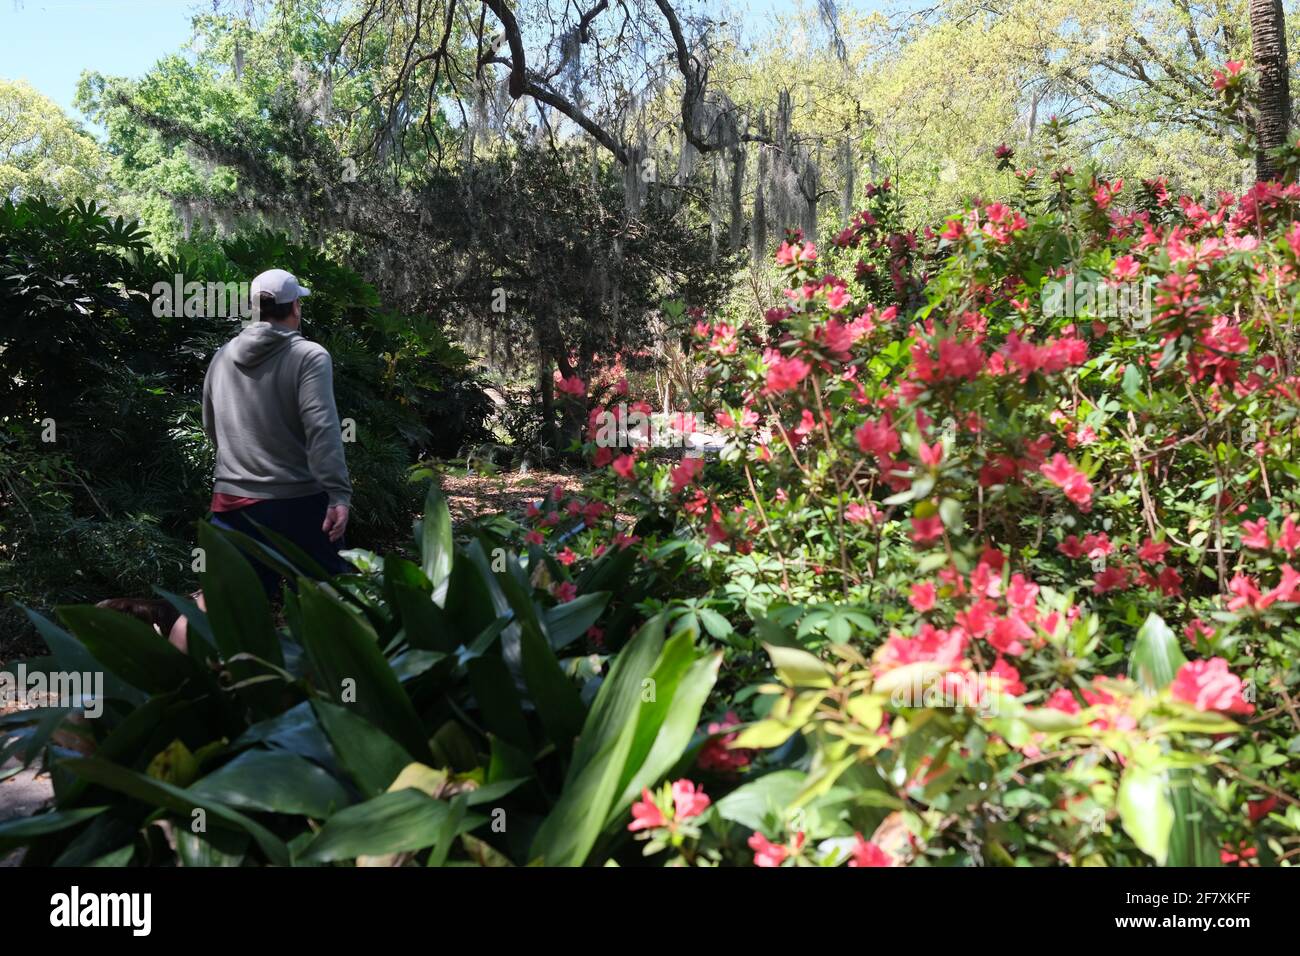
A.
x: 1125, y: 268
x: 571, y: 385
x: 1254, y: 534
x: 866, y: 853
x: 646, y: 814
x: 688, y: 801
x: 1289, y: 539
x: 858, y: 513
x: 784, y: 374
x: 767, y: 853
x: 1152, y: 551
x: 624, y: 467
x: 931, y: 455
x: 684, y: 473
x: 1209, y: 685
x: 923, y: 595
x: 925, y: 530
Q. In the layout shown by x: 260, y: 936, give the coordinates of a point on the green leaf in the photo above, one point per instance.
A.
x: 798, y: 668
x: 176, y: 799
x: 1132, y: 383
x: 673, y: 735
x: 369, y: 756
x: 237, y: 608
x: 436, y: 549
x: 769, y: 795
x: 950, y: 512
x: 717, y: 625
x: 397, y: 822
x: 342, y: 647
x: 568, y: 621
x: 765, y: 734
x: 1194, y: 840
x: 557, y: 699
x: 130, y: 648
x: 1156, y: 656
x: 1145, y: 811
x: 21, y: 830
x: 447, y: 835
x: 274, y: 782
x: 411, y: 594
x: 498, y: 700
x: 568, y: 833
x: 70, y: 655
x: 213, y: 848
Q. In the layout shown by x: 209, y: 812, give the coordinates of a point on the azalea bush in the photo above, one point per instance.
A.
x: 947, y: 467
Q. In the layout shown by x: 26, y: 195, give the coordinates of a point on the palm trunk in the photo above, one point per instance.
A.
x: 1268, y: 48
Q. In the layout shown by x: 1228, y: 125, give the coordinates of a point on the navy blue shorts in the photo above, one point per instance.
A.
x: 299, y: 520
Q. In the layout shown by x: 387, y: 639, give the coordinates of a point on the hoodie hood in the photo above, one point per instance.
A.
x: 259, y: 342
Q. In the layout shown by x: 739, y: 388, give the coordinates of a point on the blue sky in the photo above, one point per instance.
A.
x: 49, y: 42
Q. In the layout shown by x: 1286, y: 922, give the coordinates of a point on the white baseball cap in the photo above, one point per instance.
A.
x: 276, y: 282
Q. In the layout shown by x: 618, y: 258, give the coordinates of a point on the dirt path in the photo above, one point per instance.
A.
x: 479, y: 495
x: 20, y: 796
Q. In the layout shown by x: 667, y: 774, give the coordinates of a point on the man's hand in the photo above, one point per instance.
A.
x: 336, y: 521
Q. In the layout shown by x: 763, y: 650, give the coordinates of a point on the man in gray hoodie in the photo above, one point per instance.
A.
x: 268, y: 407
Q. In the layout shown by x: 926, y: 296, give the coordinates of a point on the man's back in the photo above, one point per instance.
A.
x: 268, y: 407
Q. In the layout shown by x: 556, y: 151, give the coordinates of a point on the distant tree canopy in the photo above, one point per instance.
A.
x: 42, y: 152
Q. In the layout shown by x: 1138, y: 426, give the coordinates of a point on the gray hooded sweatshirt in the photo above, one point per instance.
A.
x: 268, y: 407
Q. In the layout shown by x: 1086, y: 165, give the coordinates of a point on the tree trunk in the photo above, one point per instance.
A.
x: 1268, y: 48
x: 546, y: 384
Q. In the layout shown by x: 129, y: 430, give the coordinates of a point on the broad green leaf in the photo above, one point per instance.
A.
x: 752, y: 802
x: 131, y: 649
x: 71, y: 655
x: 436, y: 549
x: 411, y: 594
x: 674, y: 733
x: 21, y: 830
x: 1194, y: 839
x: 1145, y: 811
x: 498, y: 700
x: 210, y: 848
x: 237, y: 608
x: 345, y: 655
x: 568, y: 621
x: 450, y: 825
x: 296, y: 730
x: 568, y: 833
x: 397, y: 822
x: 369, y: 756
x: 274, y: 782
x: 798, y: 668
x: 1156, y: 656
x: 176, y: 799
x: 557, y: 700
